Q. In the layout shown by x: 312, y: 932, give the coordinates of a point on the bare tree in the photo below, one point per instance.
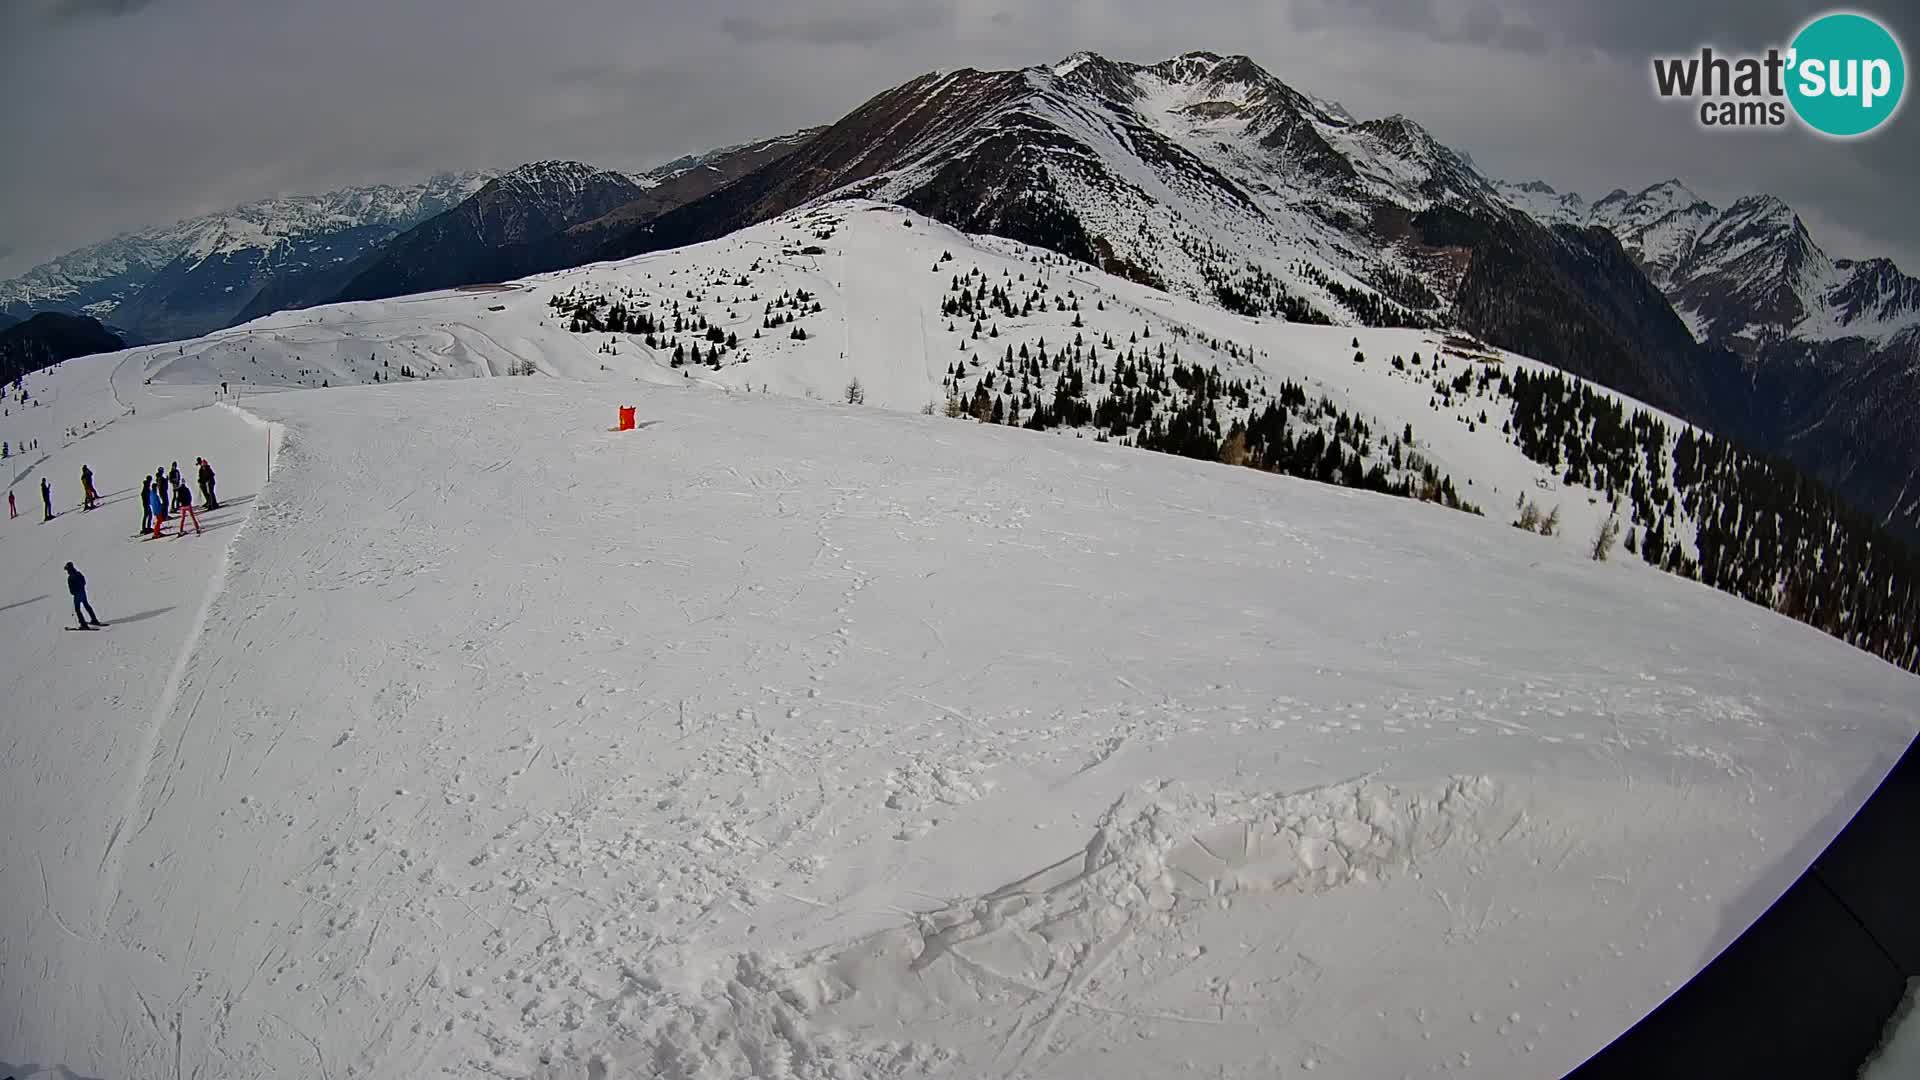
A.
x: 856, y: 394
x: 1529, y: 519
x: 1608, y: 534
x: 1234, y: 451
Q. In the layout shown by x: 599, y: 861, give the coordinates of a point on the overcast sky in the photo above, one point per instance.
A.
x: 124, y: 113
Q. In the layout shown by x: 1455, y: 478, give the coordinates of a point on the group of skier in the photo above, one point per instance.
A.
x: 162, y: 494
x: 166, y: 492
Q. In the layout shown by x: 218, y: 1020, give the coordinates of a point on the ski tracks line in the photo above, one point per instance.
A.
x: 110, y: 859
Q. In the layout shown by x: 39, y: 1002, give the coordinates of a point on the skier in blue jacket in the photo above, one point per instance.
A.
x: 158, y: 503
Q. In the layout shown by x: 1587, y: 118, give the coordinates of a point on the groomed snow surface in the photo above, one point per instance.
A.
x: 788, y: 739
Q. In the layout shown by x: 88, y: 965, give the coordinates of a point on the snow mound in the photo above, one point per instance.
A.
x: 1162, y: 853
x: 1898, y: 1055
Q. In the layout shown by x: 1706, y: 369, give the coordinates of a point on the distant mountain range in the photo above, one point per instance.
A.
x: 543, y: 216
x: 197, y: 275
x: 230, y: 267
x: 1203, y: 175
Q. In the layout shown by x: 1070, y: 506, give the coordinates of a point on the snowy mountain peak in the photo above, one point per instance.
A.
x: 1073, y: 63
x: 553, y: 176
x: 1639, y: 210
x: 1763, y: 208
x: 1545, y: 203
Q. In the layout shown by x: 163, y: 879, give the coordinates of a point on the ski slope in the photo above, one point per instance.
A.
x: 794, y: 739
x: 880, y: 278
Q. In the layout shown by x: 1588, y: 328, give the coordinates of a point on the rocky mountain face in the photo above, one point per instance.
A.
x: 1207, y: 176
x: 198, y: 275
x: 48, y: 338
x: 481, y: 240
x: 666, y: 188
x: 543, y: 216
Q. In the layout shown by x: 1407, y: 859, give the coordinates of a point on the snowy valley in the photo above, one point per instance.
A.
x: 824, y: 726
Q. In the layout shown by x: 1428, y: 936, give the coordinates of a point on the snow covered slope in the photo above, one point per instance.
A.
x: 885, y: 281
x: 795, y: 739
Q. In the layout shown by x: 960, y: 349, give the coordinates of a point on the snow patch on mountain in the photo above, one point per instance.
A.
x: 1540, y: 201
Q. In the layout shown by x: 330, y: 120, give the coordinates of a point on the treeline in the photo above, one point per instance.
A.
x: 1142, y: 393
x: 1760, y: 529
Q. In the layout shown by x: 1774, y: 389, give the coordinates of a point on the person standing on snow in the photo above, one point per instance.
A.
x: 183, y: 507
x: 46, y: 498
x: 146, y: 505
x: 82, y: 609
x: 173, y: 477
x: 206, y: 485
x: 160, y: 489
x: 159, y: 500
x: 88, y: 496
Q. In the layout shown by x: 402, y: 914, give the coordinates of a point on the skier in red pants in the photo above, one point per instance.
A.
x: 183, y: 507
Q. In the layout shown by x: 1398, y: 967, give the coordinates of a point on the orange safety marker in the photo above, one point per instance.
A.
x: 626, y: 418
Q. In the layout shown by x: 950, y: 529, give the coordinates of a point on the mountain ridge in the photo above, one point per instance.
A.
x: 195, y: 274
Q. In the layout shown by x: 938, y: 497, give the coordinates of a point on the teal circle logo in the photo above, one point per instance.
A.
x: 1847, y: 74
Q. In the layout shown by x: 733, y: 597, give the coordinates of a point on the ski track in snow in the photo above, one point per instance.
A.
x: 794, y: 740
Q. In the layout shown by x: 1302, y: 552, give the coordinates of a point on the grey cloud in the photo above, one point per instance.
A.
x: 1520, y: 37
x: 1480, y: 22
x: 620, y: 78
x: 84, y: 9
x: 26, y: 13
x: 830, y: 29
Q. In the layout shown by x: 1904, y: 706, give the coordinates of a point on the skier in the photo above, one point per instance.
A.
x: 159, y: 501
x: 88, y: 496
x: 161, y: 489
x: 173, y: 478
x: 206, y: 485
x: 183, y: 507
x: 82, y: 609
x: 146, y: 505
x: 46, y: 498
x: 11, y: 511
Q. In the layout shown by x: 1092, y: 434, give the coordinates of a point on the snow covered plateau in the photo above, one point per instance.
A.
x: 802, y: 739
